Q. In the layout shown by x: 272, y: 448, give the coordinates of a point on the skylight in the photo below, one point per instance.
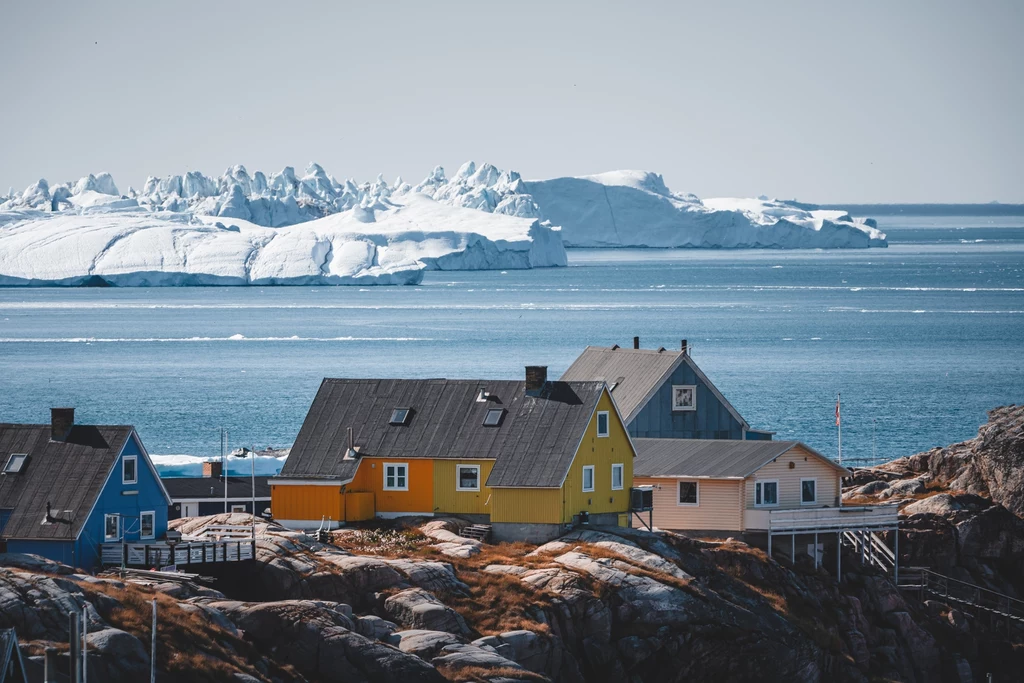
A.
x: 400, y: 416
x: 493, y: 417
x: 15, y: 463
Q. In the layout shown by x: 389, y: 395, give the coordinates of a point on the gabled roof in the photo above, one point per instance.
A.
x: 533, y: 445
x: 10, y: 655
x: 68, y: 474
x: 635, y: 375
x: 192, y: 488
x: 711, y: 458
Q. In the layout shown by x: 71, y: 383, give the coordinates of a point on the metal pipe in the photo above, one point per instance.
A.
x: 85, y: 644
x: 75, y: 649
x: 50, y: 665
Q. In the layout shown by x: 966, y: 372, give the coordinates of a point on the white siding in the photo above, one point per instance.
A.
x: 719, y: 509
x: 805, y: 466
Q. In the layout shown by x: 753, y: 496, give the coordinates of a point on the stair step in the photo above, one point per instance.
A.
x: 479, y: 532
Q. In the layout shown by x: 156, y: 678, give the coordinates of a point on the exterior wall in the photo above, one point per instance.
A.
x: 806, y: 466
x: 216, y: 507
x: 418, y: 499
x: 306, y: 502
x: 719, y: 505
x: 64, y: 552
x: 711, y: 419
x: 601, y: 452
x: 521, y: 506
x: 150, y: 497
x: 449, y: 500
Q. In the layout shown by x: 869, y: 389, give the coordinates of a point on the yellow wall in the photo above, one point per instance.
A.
x: 601, y: 453
x: 805, y: 466
x: 449, y: 500
x: 306, y: 502
x: 719, y: 504
x: 526, y: 505
x: 419, y: 497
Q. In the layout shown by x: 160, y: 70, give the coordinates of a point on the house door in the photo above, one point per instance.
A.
x: 190, y: 509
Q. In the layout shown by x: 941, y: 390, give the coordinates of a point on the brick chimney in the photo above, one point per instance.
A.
x: 212, y: 469
x: 636, y: 342
x: 536, y: 376
x: 61, y: 422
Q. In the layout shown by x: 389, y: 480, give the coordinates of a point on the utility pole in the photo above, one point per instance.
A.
x: 254, y: 496
x: 224, y: 463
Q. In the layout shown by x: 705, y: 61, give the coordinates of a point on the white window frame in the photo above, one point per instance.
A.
x: 22, y: 459
x: 151, y: 513
x: 811, y: 502
x: 622, y: 476
x: 679, y: 486
x: 396, y: 465
x: 458, y: 477
x: 607, y: 424
x: 238, y: 508
x: 684, y: 409
x: 135, y: 461
x: 760, y: 482
x: 583, y: 480
x: 106, y: 536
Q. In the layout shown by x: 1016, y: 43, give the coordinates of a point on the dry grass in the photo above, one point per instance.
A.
x: 479, y: 674
x: 386, y: 542
x: 188, y: 647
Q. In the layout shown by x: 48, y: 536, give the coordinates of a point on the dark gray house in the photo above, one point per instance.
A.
x: 662, y: 393
x: 201, y: 496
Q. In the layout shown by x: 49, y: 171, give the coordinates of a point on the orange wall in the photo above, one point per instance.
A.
x: 306, y: 502
x: 419, y: 497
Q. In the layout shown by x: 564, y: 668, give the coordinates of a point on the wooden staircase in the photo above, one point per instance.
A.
x: 930, y: 584
x: 479, y: 532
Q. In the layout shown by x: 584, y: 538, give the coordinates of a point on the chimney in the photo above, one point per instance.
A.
x: 212, y: 469
x: 536, y: 377
x: 636, y: 342
x: 61, y: 422
x: 684, y: 347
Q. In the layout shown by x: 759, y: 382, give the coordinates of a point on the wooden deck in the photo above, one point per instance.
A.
x: 184, y: 554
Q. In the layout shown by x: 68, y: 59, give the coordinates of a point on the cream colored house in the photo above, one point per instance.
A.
x: 730, y: 486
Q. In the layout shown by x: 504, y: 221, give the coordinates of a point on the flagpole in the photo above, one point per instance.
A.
x: 839, y: 424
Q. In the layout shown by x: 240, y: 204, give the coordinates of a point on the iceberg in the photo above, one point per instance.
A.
x: 391, y: 243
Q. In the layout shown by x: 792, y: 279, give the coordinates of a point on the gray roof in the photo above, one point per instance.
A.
x: 636, y: 374
x: 711, y: 458
x: 191, y: 488
x: 68, y: 474
x: 533, y: 445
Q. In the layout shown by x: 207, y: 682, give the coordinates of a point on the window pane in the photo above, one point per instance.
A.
x: 602, y: 423
x: 468, y: 477
x: 771, y: 493
x: 688, y: 492
x: 111, y: 523
x: 129, y: 470
x: 401, y: 476
x: 757, y: 493
x: 807, y: 492
x: 588, y: 478
x: 617, y: 476
x: 146, y: 524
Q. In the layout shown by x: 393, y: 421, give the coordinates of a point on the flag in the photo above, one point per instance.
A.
x: 837, y: 411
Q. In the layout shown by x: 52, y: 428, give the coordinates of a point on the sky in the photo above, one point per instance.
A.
x: 820, y: 101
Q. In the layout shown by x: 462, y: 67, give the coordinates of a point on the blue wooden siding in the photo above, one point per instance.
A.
x: 711, y: 419
x: 113, y: 500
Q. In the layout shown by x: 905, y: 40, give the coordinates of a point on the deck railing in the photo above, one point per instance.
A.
x: 948, y: 589
x: 183, y: 554
x: 823, y: 520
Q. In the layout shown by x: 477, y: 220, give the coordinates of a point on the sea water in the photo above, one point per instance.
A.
x: 920, y: 338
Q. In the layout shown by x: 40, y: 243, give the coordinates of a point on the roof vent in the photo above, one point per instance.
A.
x: 636, y: 342
x: 614, y: 347
x: 400, y: 416
x: 661, y: 349
x: 684, y: 347
x: 482, y: 396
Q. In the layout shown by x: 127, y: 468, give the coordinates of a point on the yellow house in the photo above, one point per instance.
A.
x: 730, y: 486
x: 529, y: 457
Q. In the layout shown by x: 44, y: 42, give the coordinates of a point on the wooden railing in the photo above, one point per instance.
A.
x: 183, y: 554
x: 951, y: 590
x: 832, y: 519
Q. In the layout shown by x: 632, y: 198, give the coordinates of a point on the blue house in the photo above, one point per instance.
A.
x: 66, y: 488
x: 663, y: 394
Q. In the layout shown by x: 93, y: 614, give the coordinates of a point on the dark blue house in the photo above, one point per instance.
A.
x: 66, y: 488
x: 663, y: 394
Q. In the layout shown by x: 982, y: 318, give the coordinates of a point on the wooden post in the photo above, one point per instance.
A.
x: 792, y: 557
x: 815, y: 549
x: 152, y: 650
x: 769, y: 544
x: 839, y: 557
x: 896, y: 557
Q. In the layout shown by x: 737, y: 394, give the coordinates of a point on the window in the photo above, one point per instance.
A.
x: 467, y: 477
x: 147, y: 524
x: 238, y: 508
x: 689, y: 493
x: 396, y: 476
x: 111, y: 527
x: 617, y: 477
x: 684, y: 397
x: 493, y: 417
x: 400, y: 416
x: 808, y: 491
x: 588, y: 478
x: 15, y: 463
x: 602, y: 423
x: 766, y: 493
x: 129, y: 471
